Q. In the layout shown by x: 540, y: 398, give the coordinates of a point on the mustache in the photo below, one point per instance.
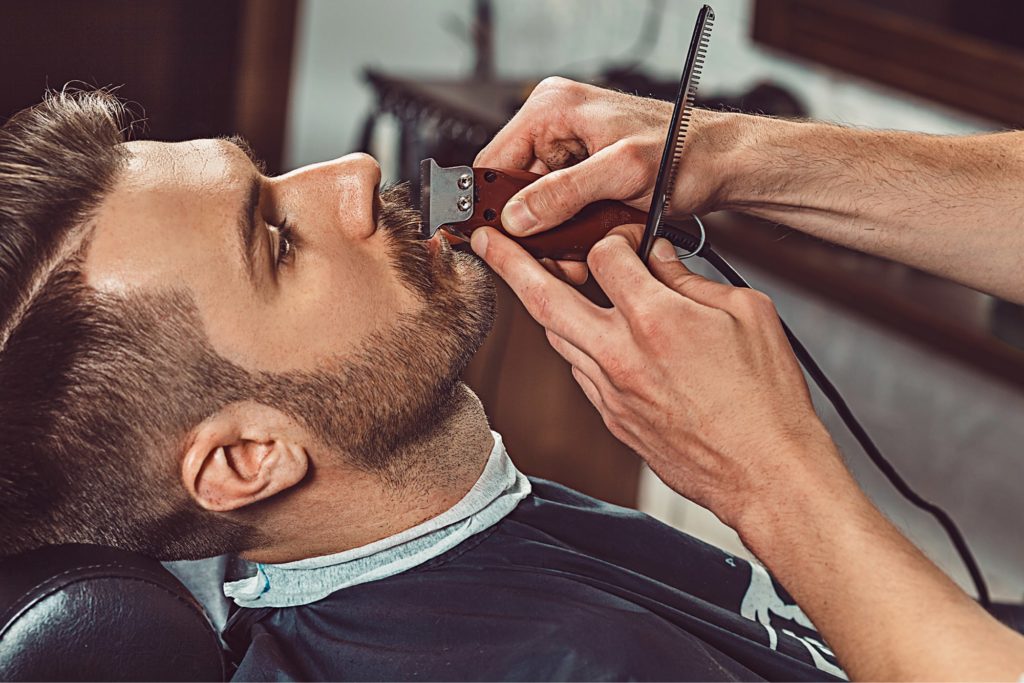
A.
x: 395, y: 214
x: 400, y: 222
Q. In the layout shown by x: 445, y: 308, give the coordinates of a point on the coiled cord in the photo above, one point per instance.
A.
x: 690, y: 243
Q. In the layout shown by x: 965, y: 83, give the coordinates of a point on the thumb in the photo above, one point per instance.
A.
x: 666, y: 266
x: 558, y: 196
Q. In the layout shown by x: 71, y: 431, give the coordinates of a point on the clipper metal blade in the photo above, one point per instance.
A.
x: 446, y: 196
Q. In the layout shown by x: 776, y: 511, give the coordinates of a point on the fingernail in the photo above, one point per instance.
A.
x: 517, y: 217
x: 664, y: 251
x: 478, y: 241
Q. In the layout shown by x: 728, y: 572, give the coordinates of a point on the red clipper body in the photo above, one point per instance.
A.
x: 461, y: 199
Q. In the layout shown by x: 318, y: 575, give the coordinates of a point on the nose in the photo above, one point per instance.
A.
x: 339, y: 195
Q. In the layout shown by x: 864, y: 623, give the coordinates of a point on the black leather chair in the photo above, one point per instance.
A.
x: 82, y: 612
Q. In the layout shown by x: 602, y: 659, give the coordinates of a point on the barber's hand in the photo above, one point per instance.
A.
x: 593, y: 144
x: 697, y: 377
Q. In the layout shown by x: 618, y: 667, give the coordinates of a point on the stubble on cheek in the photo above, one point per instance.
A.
x: 398, y: 381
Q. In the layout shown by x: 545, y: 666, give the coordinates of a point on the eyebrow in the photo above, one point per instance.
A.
x: 247, y: 225
x: 247, y: 149
x: 247, y: 214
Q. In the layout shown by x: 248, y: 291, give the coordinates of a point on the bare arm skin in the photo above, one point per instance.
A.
x: 697, y: 377
x: 950, y: 205
x: 953, y: 206
x: 887, y: 612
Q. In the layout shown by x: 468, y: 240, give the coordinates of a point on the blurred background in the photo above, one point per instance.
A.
x: 934, y: 370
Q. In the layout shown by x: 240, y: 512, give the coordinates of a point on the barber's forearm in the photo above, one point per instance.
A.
x: 887, y: 612
x: 953, y: 206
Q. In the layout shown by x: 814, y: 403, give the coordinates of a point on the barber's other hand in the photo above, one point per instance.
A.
x: 697, y: 377
x: 592, y: 144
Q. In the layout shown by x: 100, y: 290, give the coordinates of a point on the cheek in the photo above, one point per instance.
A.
x: 344, y: 301
x: 322, y: 309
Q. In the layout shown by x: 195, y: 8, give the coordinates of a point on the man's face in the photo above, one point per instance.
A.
x: 302, y: 274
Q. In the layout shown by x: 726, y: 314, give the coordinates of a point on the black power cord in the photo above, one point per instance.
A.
x: 686, y: 241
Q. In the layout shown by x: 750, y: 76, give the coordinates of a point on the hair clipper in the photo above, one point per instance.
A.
x: 461, y: 199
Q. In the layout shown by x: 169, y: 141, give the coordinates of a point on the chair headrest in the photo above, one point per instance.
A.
x: 86, y: 612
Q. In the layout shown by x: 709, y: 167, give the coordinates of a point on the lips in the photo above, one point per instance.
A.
x: 453, y: 239
x: 438, y: 243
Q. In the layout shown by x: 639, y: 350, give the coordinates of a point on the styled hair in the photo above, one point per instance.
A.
x: 92, y: 385
x: 98, y: 391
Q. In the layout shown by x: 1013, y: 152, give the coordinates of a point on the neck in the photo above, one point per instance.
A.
x: 343, y: 507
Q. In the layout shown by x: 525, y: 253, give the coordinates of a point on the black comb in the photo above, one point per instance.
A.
x: 673, y: 152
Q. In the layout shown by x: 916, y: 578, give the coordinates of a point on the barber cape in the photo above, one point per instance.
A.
x: 524, y: 579
x: 495, y: 494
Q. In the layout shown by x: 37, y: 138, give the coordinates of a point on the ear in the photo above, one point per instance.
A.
x: 245, y: 453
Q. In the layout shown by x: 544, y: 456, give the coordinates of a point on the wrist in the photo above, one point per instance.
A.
x: 814, y: 495
x: 762, y: 162
x: 718, y: 159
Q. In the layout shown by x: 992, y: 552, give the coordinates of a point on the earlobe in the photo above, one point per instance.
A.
x: 244, y: 454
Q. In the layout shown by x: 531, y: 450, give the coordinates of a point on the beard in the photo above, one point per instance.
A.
x: 401, y: 384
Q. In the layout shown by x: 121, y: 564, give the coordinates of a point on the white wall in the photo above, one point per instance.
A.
x: 336, y: 40
x: 534, y: 38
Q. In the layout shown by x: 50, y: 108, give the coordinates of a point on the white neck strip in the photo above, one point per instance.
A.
x: 494, y: 495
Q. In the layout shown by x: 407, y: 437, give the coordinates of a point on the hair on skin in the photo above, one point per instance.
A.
x: 82, y: 374
x: 98, y: 392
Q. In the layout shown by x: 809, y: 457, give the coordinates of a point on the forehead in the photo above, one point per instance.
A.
x: 157, y: 217
x: 200, y: 166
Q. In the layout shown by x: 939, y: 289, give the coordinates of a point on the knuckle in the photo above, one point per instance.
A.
x: 536, y: 299
x: 576, y: 187
x: 497, y: 259
x: 599, y: 254
x: 685, y: 283
x: 649, y: 326
x: 737, y: 301
x: 755, y: 304
x: 620, y: 371
x: 558, y: 85
x: 542, y: 203
x: 560, y: 196
x: 607, y: 250
x: 632, y: 153
x: 613, y: 367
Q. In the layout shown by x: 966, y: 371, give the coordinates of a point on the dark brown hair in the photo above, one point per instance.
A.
x: 86, y: 378
x: 98, y: 392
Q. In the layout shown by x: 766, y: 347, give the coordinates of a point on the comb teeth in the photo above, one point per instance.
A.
x: 707, y: 20
x: 679, y: 125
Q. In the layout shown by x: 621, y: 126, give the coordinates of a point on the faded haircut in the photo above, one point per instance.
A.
x: 91, y: 384
x: 98, y: 392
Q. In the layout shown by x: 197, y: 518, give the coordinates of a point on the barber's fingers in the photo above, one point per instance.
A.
x: 576, y: 272
x: 590, y: 389
x: 512, y: 147
x: 539, y: 167
x: 551, y: 302
x: 623, y: 276
x: 666, y: 266
x: 573, y: 355
x: 573, y: 272
x: 559, y: 195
